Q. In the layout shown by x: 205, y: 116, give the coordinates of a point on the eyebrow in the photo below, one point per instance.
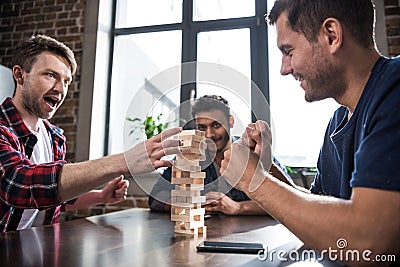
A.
x: 213, y: 122
x: 284, y: 48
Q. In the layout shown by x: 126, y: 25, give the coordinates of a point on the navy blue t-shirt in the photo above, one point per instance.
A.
x: 365, y: 150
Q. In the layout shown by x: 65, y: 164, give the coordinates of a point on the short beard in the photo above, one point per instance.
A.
x: 30, y: 103
x: 327, y: 82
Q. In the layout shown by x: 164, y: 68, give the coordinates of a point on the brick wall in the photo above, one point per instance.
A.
x: 392, y: 13
x: 61, y: 19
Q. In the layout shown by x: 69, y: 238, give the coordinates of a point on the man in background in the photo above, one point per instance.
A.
x: 212, y: 115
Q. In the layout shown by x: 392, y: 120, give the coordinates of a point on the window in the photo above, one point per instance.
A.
x: 147, y: 41
x: 136, y: 60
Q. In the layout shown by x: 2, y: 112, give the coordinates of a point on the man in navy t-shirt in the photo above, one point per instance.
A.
x: 354, y: 202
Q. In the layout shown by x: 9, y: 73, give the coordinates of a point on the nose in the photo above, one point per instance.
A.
x: 61, y: 86
x: 209, y: 132
x: 286, y: 67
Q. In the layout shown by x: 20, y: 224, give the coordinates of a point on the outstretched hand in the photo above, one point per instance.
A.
x: 146, y: 156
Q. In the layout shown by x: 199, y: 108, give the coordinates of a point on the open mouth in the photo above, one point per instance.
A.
x: 51, y: 101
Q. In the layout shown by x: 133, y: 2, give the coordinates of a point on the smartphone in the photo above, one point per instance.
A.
x: 230, y: 247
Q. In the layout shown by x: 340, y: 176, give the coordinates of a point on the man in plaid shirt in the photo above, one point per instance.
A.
x: 36, y: 182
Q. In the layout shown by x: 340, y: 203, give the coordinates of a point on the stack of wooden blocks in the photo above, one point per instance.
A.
x: 186, y: 199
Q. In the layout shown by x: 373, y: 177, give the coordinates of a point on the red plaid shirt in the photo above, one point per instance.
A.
x: 24, y: 185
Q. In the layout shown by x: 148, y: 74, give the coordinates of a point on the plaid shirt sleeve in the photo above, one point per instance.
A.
x: 23, y: 184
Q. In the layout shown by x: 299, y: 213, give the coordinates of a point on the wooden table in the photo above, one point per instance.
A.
x: 138, y: 237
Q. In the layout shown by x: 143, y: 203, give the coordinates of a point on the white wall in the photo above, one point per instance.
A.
x: 6, y: 83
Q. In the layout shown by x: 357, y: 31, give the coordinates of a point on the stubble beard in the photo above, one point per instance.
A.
x: 30, y: 102
x: 326, y: 82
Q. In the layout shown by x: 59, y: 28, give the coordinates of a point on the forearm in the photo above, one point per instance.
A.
x: 86, y: 200
x: 276, y: 172
x: 78, y: 178
x: 319, y: 221
x: 250, y: 207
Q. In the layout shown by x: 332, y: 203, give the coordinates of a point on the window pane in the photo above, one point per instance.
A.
x: 135, y: 13
x: 230, y: 48
x: 222, y: 9
x: 137, y: 58
x: 298, y: 126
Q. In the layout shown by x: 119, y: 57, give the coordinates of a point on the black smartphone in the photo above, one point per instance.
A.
x: 230, y: 247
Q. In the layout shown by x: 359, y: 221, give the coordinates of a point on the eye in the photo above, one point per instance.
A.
x: 201, y: 127
x: 51, y: 75
x: 288, y: 52
x: 216, y: 125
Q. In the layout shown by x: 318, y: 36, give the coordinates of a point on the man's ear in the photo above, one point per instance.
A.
x: 332, y: 34
x: 231, y: 121
x: 17, y: 72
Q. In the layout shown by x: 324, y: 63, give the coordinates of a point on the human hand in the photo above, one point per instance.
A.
x: 242, y: 168
x: 146, y: 156
x: 258, y: 138
x: 219, y: 202
x: 115, y: 190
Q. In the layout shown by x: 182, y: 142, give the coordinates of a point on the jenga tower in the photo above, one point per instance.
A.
x: 186, y: 200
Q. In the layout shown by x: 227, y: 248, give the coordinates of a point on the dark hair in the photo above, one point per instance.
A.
x: 211, y: 102
x: 307, y: 16
x: 27, y: 51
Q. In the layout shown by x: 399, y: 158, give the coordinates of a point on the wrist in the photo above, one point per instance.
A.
x: 239, y: 208
x: 259, y: 181
x: 99, y: 197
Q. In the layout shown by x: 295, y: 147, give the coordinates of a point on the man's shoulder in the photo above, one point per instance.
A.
x: 388, y: 70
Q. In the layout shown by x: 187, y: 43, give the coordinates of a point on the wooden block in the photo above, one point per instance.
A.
x: 192, y: 156
x: 194, y: 224
x: 187, y: 218
x: 182, y: 161
x: 183, y: 171
x: 178, y: 211
x: 195, y: 231
x: 187, y: 211
x: 194, y: 143
x: 198, y: 187
x: 202, y: 230
x: 176, y: 173
x: 182, y: 205
x: 198, y: 199
x: 193, y: 150
x: 180, y: 230
x: 184, y: 193
x: 193, y: 132
x: 186, y: 199
x: 187, y: 181
x: 194, y: 212
x: 188, y: 138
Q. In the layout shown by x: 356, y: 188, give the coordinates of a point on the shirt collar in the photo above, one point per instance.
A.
x: 15, y: 122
